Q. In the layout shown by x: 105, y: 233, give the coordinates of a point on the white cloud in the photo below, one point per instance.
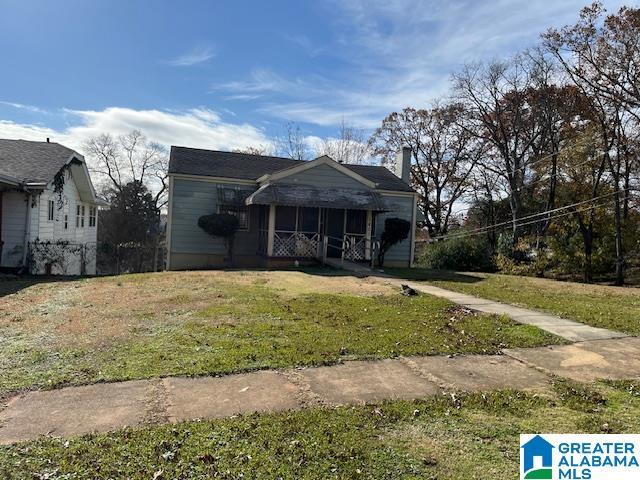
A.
x: 198, y: 127
x: 22, y: 106
x: 398, y: 53
x: 193, y: 57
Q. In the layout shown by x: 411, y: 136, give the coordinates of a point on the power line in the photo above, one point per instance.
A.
x: 543, y: 178
x: 552, y: 175
x: 515, y: 223
x: 549, y: 155
x: 532, y: 221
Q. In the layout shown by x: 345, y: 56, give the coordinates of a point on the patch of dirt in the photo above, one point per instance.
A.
x: 100, y: 311
x: 290, y: 284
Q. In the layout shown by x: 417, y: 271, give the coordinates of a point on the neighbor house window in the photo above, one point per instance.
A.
x: 92, y: 216
x: 50, y: 210
x: 241, y: 212
x: 79, y: 216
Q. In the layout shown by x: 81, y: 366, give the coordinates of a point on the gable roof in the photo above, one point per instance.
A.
x: 33, y: 162
x: 323, y: 160
x: 213, y: 163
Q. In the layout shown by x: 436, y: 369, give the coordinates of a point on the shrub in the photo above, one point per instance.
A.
x: 222, y: 225
x: 469, y: 253
x: 395, y: 230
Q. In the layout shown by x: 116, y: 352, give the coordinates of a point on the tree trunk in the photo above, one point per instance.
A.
x: 619, y: 246
x: 587, y: 241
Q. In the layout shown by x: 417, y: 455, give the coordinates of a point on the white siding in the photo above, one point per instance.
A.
x: 42, y: 229
x: 14, y: 209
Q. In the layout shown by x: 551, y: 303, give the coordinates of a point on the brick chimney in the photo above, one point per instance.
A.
x: 403, y: 164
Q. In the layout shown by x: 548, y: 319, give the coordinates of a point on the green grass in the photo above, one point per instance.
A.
x: 249, y: 327
x: 445, y: 438
x: 615, y: 308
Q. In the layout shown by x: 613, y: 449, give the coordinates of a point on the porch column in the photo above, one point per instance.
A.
x: 272, y: 229
x: 367, y: 241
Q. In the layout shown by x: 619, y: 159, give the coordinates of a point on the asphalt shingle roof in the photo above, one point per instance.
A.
x: 195, y: 161
x: 32, y: 161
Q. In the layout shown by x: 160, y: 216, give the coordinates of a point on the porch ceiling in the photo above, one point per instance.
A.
x: 296, y: 195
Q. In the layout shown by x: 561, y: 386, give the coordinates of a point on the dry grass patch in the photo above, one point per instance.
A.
x: 201, y: 323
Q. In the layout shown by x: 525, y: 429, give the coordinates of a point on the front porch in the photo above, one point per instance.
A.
x: 289, y: 232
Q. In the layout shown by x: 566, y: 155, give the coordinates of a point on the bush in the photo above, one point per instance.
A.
x: 222, y: 225
x: 395, y: 230
x: 219, y: 224
x: 469, y: 253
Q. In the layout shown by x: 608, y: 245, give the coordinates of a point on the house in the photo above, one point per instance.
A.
x: 48, y: 209
x: 289, y: 210
x: 540, y: 449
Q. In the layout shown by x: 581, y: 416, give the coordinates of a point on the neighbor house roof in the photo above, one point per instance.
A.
x: 32, y: 162
x: 195, y: 161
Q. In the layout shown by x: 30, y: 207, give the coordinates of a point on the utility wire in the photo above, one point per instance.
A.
x: 480, y: 230
x: 465, y: 235
x: 548, y: 176
x: 549, y: 155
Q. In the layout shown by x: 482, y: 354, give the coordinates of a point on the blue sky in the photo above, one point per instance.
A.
x: 230, y: 74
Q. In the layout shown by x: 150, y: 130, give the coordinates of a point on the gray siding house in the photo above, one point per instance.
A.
x: 288, y: 209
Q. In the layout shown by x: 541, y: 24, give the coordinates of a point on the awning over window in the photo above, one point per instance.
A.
x: 311, y: 196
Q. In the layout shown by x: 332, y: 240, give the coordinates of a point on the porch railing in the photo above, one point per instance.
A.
x: 296, y: 244
x: 355, y: 247
x: 351, y: 247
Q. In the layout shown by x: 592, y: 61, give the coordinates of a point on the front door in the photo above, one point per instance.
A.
x: 335, y: 232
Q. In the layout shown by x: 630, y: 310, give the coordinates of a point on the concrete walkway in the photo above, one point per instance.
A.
x: 110, y: 406
x: 567, y: 329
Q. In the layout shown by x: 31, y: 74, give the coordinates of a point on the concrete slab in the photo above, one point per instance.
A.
x: 586, y: 361
x: 216, y: 397
x: 74, y: 411
x: 364, y: 382
x: 480, y: 372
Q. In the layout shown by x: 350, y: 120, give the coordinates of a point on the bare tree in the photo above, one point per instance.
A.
x: 292, y: 143
x: 496, y: 97
x: 444, y: 155
x: 128, y: 158
x: 351, y: 145
x: 265, y: 150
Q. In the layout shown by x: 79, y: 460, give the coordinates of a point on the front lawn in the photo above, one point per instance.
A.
x: 615, y: 308
x: 446, y: 438
x: 197, y: 323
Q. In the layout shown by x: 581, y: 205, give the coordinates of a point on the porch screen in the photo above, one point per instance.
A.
x: 356, y: 221
x: 286, y: 219
x: 307, y: 219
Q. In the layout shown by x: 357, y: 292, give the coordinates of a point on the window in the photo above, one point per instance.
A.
x: 79, y: 216
x: 231, y: 200
x: 50, y: 210
x: 66, y: 221
x: 241, y: 212
x: 92, y: 216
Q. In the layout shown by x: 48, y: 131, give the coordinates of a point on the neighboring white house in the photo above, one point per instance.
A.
x: 48, y: 209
